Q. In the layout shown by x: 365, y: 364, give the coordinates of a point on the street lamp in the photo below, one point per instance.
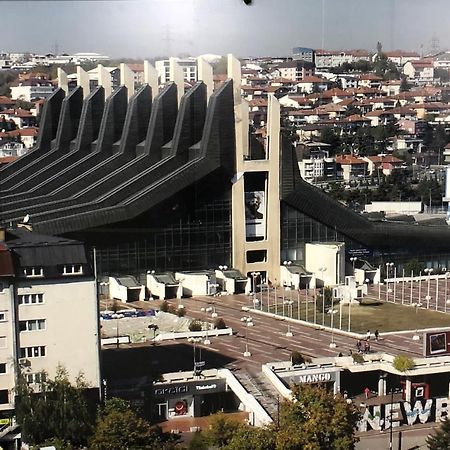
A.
x: 388, y: 266
x: 332, y: 312
x: 416, y: 305
x: 428, y: 297
x: 289, y: 304
x: 248, y: 321
x: 445, y: 294
x: 153, y: 327
x: 353, y: 259
x: 322, y: 270
x: 197, y: 365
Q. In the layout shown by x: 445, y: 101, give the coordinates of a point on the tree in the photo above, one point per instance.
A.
x: 440, y: 439
x: 221, y: 430
x: 317, y: 420
x: 249, y: 438
x: 118, y: 426
x: 413, y: 266
x: 56, y: 410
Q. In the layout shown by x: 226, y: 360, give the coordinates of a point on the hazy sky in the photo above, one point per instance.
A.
x: 147, y: 28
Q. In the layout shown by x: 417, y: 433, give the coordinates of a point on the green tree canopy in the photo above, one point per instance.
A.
x: 440, y: 439
x: 118, y: 426
x: 56, y: 410
x: 317, y: 420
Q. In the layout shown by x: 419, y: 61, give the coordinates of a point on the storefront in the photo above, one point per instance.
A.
x: 182, y: 395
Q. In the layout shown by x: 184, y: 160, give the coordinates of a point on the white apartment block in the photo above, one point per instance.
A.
x: 48, y: 311
x: 31, y: 89
x: 189, y: 66
x: 332, y: 58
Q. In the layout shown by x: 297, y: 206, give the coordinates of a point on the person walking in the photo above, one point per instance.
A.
x: 367, y: 392
x: 376, y: 335
x: 368, y: 335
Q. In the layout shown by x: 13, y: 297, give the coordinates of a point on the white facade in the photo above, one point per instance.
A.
x: 69, y: 321
x: 29, y: 93
x: 189, y: 66
x: 326, y: 261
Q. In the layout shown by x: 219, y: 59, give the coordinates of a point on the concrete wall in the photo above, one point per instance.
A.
x: 328, y: 256
x: 71, y: 331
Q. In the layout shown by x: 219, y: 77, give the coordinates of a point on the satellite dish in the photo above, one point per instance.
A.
x: 26, y: 219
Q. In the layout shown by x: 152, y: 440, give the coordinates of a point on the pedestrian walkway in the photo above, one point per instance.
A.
x: 258, y: 385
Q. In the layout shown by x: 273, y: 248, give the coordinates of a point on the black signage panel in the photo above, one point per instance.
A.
x: 196, y: 387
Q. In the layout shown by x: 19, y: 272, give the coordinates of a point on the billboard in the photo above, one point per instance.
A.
x: 437, y: 343
x: 255, y: 214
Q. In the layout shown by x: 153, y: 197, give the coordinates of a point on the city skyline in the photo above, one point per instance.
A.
x: 150, y: 28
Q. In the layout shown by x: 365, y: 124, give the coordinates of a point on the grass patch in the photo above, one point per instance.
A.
x: 373, y: 315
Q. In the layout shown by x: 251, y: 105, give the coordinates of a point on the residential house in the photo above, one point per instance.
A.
x: 312, y: 84
x: 380, y: 117
x: 21, y: 117
x: 294, y: 70
x: 384, y: 163
x: 391, y: 87
x: 6, y: 102
x: 351, y: 166
x: 314, y: 162
x: 370, y: 80
x: 189, y: 66
x: 303, y: 54
x: 332, y: 58
x: 31, y: 89
x: 295, y: 101
x: 421, y: 71
x: 434, y: 109
x: 400, y: 57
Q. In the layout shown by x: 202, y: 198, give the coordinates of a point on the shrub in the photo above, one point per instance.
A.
x: 164, y: 307
x: 181, y: 312
x: 219, y: 323
x: 358, y: 358
x: 403, y: 363
x: 195, y: 325
x: 297, y: 358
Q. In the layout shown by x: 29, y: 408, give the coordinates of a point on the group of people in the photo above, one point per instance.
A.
x: 364, y: 346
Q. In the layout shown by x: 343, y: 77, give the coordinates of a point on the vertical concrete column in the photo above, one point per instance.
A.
x: 127, y: 79
x: 408, y: 390
x: 238, y: 190
x: 234, y: 72
x: 273, y: 188
x: 205, y: 74
x: 83, y: 81
x: 104, y: 79
x: 337, y: 383
x: 381, y: 386
x: 151, y: 78
x: 176, y: 76
x: 63, y: 82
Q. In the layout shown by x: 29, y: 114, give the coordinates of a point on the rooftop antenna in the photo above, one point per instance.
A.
x: 168, y: 40
x: 56, y: 48
x: 323, y: 24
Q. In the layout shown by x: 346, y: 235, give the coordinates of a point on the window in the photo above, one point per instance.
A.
x: 31, y: 299
x: 4, y: 397
x: 30, y: 272
x: 32, y: 325
x: 71, y: 269
x: 38, y: 377
x: 32, y: 352
x: 3, y: 316
x: 2, y: 368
